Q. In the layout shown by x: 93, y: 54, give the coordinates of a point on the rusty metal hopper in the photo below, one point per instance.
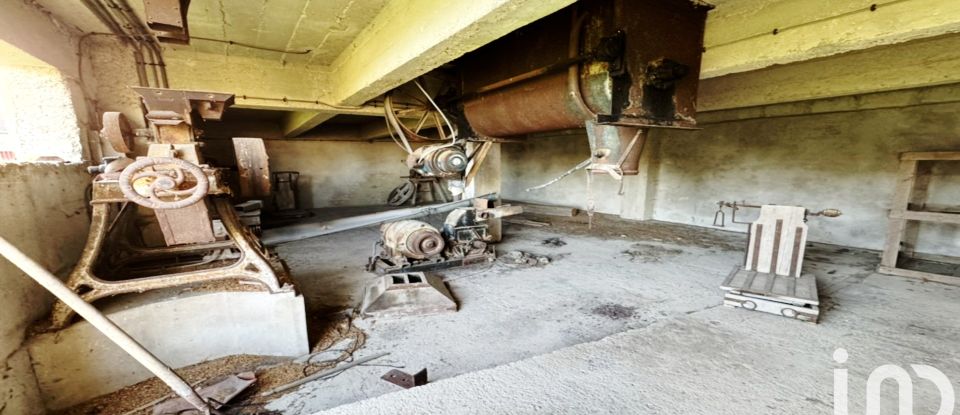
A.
x: 616, y: 67
x: 407, y: 294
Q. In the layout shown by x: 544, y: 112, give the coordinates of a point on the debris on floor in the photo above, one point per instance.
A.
x: 331, y: 333
x: 216, y: 394
x: 554, y: 242
x: 524, y: 259
x: 607, y: 226
x: 641, y: 252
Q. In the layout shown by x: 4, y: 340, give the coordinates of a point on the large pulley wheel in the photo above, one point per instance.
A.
x: 161, y: 183
x: 401, y: 194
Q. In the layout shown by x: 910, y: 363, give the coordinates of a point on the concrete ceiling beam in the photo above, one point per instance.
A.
x: 916, y: 64
x: 410, y: 38
x: 256, y: 82
x: 298, y: 122
x: 748, y: 35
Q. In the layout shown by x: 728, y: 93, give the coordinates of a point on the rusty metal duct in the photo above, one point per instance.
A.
x: 616, y: 67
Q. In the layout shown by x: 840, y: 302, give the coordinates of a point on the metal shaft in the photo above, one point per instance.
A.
x: 273, y: 237
x: 103, y: 324
x: 324, y: 373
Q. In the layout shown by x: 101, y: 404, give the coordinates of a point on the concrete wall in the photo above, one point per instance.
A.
x: 42, y: 212
x: 340, y: 173
x: 538, y: 160
x: 41, y: 207
x: 844, y: 160
x: 38, y: 114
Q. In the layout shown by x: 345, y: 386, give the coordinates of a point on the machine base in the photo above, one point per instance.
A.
x: 407, y: 294
x: 792, y: 297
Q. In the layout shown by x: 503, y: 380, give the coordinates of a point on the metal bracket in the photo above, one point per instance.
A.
x: 404, y: 379
x: 173, y: 107
x: 168, y: 20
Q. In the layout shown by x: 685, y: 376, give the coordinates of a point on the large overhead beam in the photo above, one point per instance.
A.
x: 915, y: 64
x: 257, y: 83
x: 748, y: 35
x: 409, y: 38
x: 262, y: 84
x: 299, y: 122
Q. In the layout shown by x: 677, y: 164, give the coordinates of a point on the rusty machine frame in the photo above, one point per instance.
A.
x: 615, y: 67
x: 203, y: 237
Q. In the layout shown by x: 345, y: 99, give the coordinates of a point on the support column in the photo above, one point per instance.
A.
x: 637, y: 201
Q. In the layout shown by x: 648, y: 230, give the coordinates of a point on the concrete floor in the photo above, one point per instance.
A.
x: 626, y: 325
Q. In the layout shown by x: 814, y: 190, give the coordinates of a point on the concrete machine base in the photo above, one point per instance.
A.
x: 407, y: 294
x: 78, y: 363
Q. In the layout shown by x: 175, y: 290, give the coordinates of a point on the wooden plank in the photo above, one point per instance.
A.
x: 919, y: 275
x: 477, y: 161
x: 932, y: 155
x: 526, y: 222
x: 254, y: 167
x: 937, y: 217
x: 896, y: 225
x: 776, y: 226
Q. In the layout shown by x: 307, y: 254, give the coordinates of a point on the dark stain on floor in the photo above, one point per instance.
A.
x: 614, y: 311
x: 641, y: 252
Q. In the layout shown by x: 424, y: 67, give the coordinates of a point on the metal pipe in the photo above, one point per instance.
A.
x: 148, y: 39
x: 543, y: 70
x: 272, y: 237
x: 573, y: 72
x: 103, y: 324
x: 322, y: 374
x: 137, y: 32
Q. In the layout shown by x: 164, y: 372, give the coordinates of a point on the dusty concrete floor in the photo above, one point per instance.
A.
x: 630, y: 322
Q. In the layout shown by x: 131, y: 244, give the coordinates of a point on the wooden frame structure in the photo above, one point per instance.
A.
x: 909, y: 191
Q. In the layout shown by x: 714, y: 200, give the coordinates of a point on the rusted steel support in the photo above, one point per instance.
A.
x: 252, y: 264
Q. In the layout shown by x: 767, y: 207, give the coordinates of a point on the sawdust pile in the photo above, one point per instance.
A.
x: 271, y: 372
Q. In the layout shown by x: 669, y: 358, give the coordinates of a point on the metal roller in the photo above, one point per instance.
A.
x: 438, y: 160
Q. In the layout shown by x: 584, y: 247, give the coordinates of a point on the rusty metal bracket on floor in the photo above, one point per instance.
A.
x: 404, y: 379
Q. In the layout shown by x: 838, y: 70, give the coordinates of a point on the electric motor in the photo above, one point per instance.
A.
x: 411, y: 239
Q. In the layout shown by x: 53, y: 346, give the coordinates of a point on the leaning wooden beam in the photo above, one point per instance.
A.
x: 103, y: 324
